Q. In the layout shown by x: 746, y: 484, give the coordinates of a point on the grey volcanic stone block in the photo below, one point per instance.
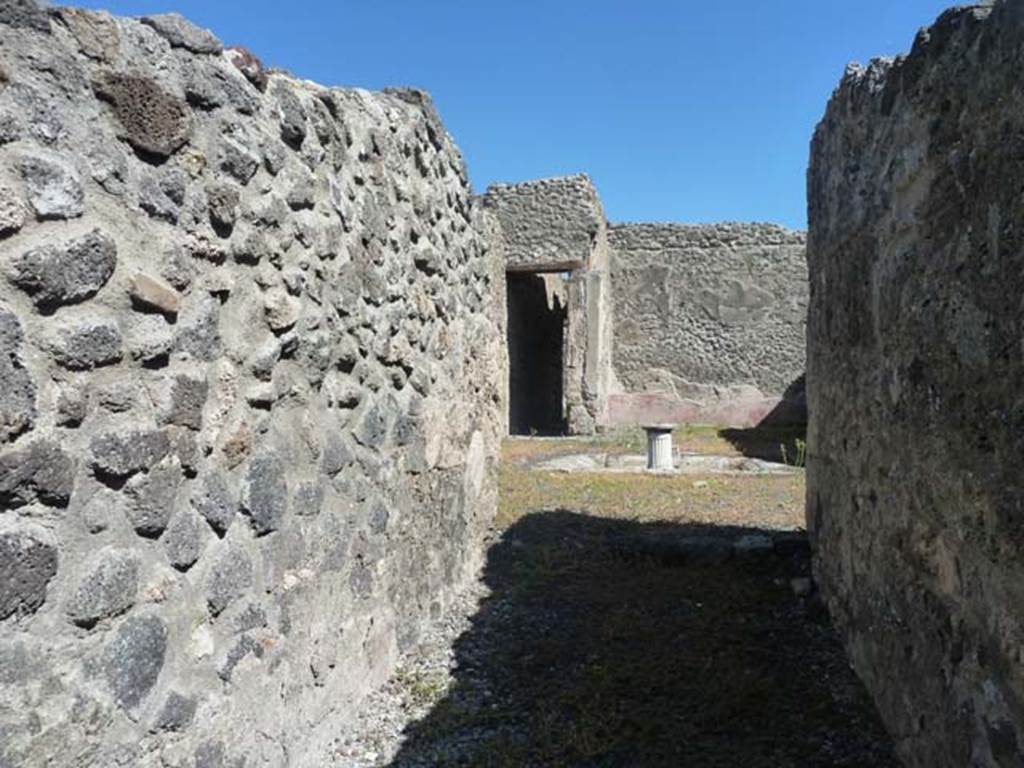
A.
x: 152, y: 120
x: 178, y: 268
x: 72, y: 406
x: 176, y: 714
x: 337, y: 455
x: 281, y: 310
x: 252, y: 250
x: 378, y: 516
x: 162, y: 193
x: 183, y: 540
x: 107, y: 588
x: 116, y: 397
x: 24, y: 14
x: 27, y: 564
x: 275, y: 156
x: 198, y: 330
x: 151, y: 497
x: 185, y: 448
x: 244, y: 646
x: 372, y: 427
x: 96, y: 33
x: 212, y: 499
x: 123, y: 453
x: 75, y: 270
x: 182, y: 402
x: 11, y: 333
x: 17, y: 389
x: 210, y: 85
x: 40, y: 472
x: 54, y: 186
x: 361, y: 580
x: 99, y: 511
x: 12, y: 211
x: 308, y: 499
x: 182, y: 33
x: 265, y: 358
x: 149, y: 339
x: 301, y: 188
x: 85, y: 341
x: 17, y: 399
x: 265, y: 494
x: 230, y: 577
x: 253, y: 617
x: 292, y: 115
x: 134, y: 658
x: 237, y: 160
x: 223, y: 199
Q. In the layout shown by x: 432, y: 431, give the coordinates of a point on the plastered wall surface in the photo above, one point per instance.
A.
x: 710, y: 318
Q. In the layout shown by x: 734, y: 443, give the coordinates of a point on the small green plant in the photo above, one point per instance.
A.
x: 800, y: 459
x: 423, y: 688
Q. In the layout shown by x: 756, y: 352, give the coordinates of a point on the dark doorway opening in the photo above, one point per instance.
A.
x: 537, y: 316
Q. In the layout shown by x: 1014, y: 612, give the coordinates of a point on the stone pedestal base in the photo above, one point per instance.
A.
x: 659, y: 448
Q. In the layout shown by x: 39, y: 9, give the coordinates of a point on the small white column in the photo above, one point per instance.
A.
x: 659, y: 448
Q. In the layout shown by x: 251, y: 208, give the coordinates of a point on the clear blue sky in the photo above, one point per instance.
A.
x: 680, y: 111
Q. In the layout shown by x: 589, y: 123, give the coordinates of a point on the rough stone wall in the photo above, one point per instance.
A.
x: 916, y: 437
x: 712, y: 317
x: 549, y: 224
x: 249, y: 393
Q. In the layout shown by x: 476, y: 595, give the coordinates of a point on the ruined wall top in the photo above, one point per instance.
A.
x: 658, y: 236
x: 549, y: 224
x: 867, y: 95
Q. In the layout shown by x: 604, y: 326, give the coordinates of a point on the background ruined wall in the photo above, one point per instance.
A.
x: 914, y: 478
x: 712, y: 317
x: 249, y: 393
x: 666, y: 322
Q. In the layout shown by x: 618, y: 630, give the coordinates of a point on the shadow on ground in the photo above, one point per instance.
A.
x: 781, y: 436
x: 609, y: 643
x: 784, y: 444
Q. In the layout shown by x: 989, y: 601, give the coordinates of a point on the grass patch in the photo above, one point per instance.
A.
x: 691, y: 438
x: 769, y: 501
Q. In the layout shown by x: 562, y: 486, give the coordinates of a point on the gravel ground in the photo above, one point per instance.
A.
x: 424, y: 677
